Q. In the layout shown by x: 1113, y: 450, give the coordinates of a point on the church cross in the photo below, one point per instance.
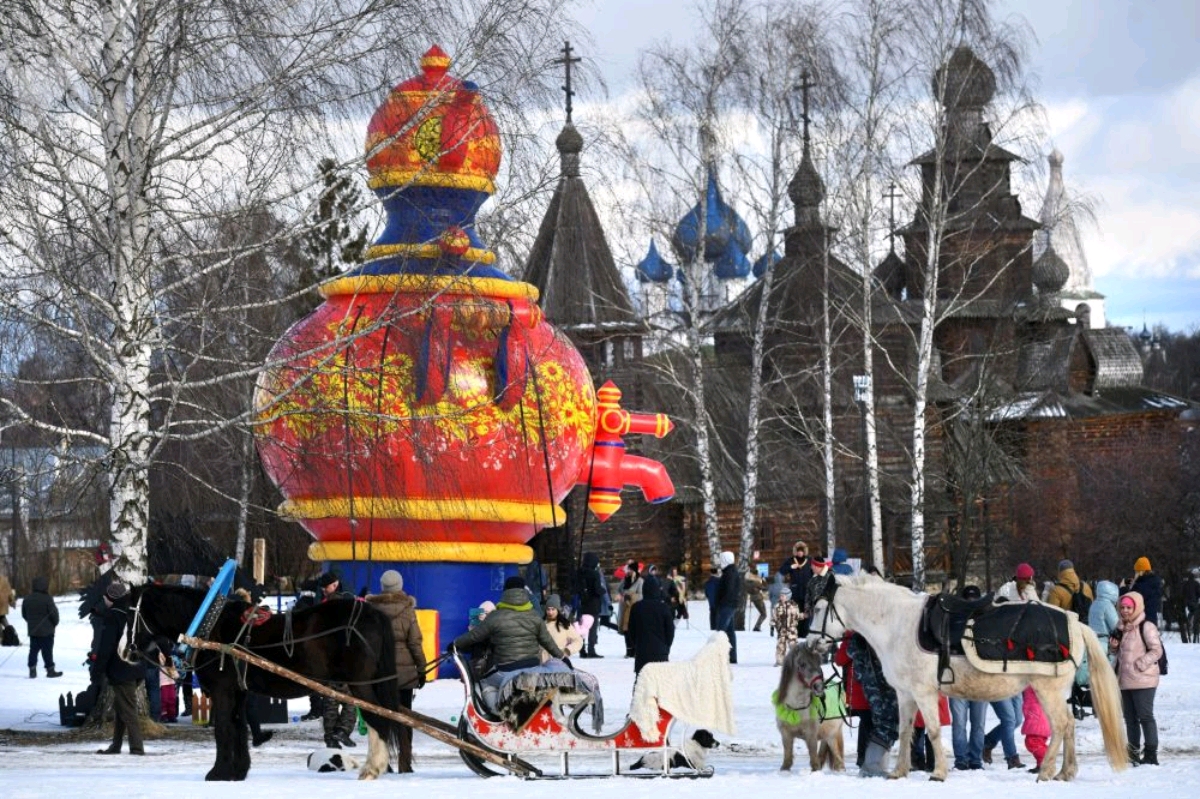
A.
x: 804, y: 85
x: 567, y: 60
x: 891, y: 196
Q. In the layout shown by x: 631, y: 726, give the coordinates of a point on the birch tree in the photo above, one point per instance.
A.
x: 685, y: 91
x: 959, y: 197
x: 791, y: 48
x: 126, y: 126
x: 871, y: 32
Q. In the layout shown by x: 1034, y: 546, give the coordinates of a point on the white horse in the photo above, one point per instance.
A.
x: 888, y: 616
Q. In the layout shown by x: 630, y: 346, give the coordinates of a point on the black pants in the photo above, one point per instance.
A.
x: 406, y: 734
x: 126, y: 712
x: 1138, y: 708
x: 45, y: 645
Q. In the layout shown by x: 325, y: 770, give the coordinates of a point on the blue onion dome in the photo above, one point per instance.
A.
x: 723, y: 226
x: 765, y: 262
x: 732, y: 263
x: 653, y: 268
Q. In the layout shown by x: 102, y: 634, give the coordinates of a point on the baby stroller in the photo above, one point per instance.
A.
x: 1081, y: 702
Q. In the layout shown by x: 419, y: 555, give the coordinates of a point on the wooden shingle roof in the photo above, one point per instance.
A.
x: 572, y: 266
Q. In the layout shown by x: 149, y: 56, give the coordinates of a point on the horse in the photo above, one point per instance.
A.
x: 800, y: 711
x: 889, y: 616
x: 339, y: 641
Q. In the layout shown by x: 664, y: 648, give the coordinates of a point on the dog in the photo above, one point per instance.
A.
x: 327, y: 760
x: 690, y: 754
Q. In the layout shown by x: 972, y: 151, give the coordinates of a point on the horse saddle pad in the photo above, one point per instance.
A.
x: 1020, y: 638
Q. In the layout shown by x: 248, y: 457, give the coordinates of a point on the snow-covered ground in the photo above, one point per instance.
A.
x: 58, y: 765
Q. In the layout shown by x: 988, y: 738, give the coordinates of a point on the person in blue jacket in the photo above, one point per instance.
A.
x: 840, y: 565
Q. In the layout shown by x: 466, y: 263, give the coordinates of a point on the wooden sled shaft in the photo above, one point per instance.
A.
x: 434, y: 728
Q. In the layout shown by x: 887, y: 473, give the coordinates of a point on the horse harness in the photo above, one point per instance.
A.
x: 253, y: 616
x: 1005, y: 631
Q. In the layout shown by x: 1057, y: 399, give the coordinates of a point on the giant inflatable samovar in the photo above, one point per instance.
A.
x: 426, y: 417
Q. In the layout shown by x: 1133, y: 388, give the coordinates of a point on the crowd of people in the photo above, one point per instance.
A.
x: 530, y: 627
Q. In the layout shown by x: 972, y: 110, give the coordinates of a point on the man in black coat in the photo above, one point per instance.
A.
x: 797, y: 571
x: 122, y: 676
x: 337, y: 719
x: 307, y: 598
x: 651, y: 626
x: 729, y: 592
x: 591, y: 594
x: 41, y: 617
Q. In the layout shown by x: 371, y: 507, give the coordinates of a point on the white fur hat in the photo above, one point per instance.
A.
x: 725, y: 559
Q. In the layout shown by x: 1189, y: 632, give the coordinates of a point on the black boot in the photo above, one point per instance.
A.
x: 50, y: 672
x: 1150, y: 756
x: 114, y: 749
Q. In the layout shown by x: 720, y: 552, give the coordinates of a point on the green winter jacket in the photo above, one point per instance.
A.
x: 513, y: 631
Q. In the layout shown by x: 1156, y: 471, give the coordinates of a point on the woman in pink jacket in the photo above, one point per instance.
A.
x: 1138, y: 646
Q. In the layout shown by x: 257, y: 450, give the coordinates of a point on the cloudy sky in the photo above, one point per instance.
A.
x: 1120, y: 82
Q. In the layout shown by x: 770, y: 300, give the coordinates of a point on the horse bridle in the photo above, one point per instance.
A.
x: 831, y: 587
x: 135, y: 622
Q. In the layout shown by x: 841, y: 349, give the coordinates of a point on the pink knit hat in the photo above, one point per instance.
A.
x: 1024, y: 571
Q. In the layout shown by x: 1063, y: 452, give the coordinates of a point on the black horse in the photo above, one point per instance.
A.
x: 340, y: 641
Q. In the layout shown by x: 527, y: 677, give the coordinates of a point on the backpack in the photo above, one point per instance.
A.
x: 1081, y: 603
x: 1162, y: 661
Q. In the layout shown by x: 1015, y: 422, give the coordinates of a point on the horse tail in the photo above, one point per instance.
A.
x: 387, y: 692
x: 1106, y: 700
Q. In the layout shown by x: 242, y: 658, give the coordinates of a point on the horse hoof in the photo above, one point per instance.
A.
x: 936, y: 778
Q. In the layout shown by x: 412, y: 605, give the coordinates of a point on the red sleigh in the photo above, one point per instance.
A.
x: 553, y: 726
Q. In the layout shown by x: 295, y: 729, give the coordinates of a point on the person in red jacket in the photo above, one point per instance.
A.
x: 856, y: 700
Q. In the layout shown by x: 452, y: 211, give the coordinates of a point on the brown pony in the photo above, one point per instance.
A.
x: 800, y: 711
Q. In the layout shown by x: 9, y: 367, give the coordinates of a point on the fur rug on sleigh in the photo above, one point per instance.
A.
x: 697, y: 691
